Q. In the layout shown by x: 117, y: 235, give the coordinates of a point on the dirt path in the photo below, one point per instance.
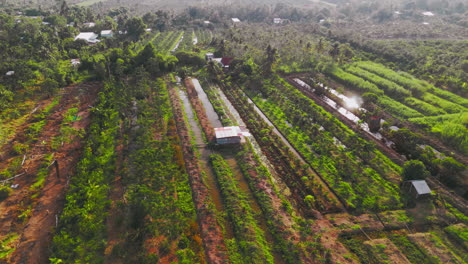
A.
x: 36, y: 233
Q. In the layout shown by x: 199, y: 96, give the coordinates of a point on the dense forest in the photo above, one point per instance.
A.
x: 236, y: 132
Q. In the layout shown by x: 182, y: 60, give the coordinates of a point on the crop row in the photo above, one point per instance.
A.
x: 390, y: 88
x: 419, y: 88
x: 276, y: 209
x: 204, y: 36
x: 250, y: 238
x: 166, y: 41
x: 291, y: 170
x: 358, y: 184
x: 187, y: 42
x: 157, y: 186
x: 81, y: 232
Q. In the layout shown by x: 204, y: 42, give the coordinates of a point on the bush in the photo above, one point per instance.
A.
x: 4, y: 192
x: 414, y: 170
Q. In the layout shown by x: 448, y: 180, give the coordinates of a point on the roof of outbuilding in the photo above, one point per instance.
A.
x: 232, y: 131
x: 87, y: 36
x: 421, y: 187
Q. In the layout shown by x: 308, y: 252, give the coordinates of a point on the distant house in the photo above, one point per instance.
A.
x: 89, y: 24
x: 107, y: 34
x: 235, y: 20
x: 226, y: 61
x: 90, y: 37
x: 209, y: 56
x: 230, y: 135
x: 417, y: 188
x: 75, y: 62
x: 223, y: 62
x: 277, y: 20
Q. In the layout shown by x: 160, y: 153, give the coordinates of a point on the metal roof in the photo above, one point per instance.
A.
x: 233, y: 131
x: 88, y: 36
x: 421, y: 187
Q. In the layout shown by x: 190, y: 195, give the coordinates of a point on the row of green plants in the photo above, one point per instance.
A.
x: 204, y: 36
x: 425, y: 108
x: 80, y: 236
x: 288, y: 250
x: 157, y: 187
x: 292, y: 171
x: 418, y: 88
x: 455, y: 98
x: 353, y: 81
x: 390, y: 88
x: 397, y: 109
x: 250, y: 238
x: 167, y: 41
x: 458, y: 232
x: 257, y: 175
x: 382, y: 71
x: 357, y: 183
x: 449, y: 107
x: 451, y: 128
x: 217, y: 103
x: 187, y: 42
x: 139, y: 46
x: 174, y: 42
x: 164, y: 40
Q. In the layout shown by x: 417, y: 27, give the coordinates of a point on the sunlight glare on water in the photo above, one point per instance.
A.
x: 351, y: 102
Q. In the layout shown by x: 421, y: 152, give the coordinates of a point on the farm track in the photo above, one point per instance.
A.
x: 36, y: 232
x: 460, y: 203
x: 211, y: 232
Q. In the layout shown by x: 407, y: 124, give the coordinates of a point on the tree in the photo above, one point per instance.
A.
x: 414, y: 170
x: 49, y: 86
x: 135, y: 28
x: 5, y: 97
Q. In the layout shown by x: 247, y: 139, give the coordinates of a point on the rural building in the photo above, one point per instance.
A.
x: 75, y: 62
x: 206, y: 22
x: 89, y: 24
x: 417, y: 188
x: 277, y: 20
x: 90, y: 37
x: 107, y: 34
x: 235, y: 20
x: 230, y: 135
x: 223, y: 62
x: 209, y: 56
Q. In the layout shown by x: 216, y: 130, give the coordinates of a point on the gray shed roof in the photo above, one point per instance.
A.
x: 421, y: 187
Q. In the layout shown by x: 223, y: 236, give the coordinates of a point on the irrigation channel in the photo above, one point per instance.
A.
x: 229, y: 155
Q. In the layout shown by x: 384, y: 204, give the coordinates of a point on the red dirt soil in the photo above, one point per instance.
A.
x: 36, y: 233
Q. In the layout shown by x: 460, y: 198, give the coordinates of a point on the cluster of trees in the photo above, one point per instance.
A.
x: 448, y: 170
